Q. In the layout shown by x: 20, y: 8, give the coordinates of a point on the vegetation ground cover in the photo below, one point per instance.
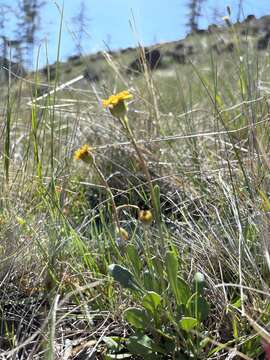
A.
x: 152, y: 243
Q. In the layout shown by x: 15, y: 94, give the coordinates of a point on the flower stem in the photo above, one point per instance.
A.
x: 125, y: 124
x: 108, y: 189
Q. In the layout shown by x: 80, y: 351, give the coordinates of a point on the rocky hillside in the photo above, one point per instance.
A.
x: 252, y: 33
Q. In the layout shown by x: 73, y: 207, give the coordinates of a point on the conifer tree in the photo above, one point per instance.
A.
x: 194, y: 7
x: 81, y: 22
x: 240, y: 8
x: 4, y: 12
x: 28, y: 26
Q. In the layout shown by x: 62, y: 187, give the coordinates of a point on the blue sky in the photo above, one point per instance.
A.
x: 155, y: 21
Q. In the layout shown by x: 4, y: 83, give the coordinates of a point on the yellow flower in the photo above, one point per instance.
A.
x: 122, y: 233
x: 84, y: 153
x: 145, y: 216
x: 116, y: 103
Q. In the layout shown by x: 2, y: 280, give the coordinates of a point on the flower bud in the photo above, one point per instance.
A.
x: 122, y: 233
x: 145, y: 216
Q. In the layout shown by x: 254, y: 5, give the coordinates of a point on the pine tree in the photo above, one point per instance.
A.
x: 81, y: 22
x: 240, y: 8
x: 194, y: 13
x: 4, y: 10
x: 28, y: 26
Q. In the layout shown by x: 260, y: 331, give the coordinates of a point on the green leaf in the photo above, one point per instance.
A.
x: 158, y: 265
x: 235, y: 327
x: 124, y: 277
x: 137, y: 317
x: 168, y: 342
x: 188, y: 323
x: 143, y: 345
x: 160, y: 283
x: 114, y: 347
x: 150, y: 281
x: 265, y: 201
x: 218, y: 348
x: 134, y: 258
x: 113, y: 343
x: 203, y: 308
x: 171, y: 263
x: 157, y: 199
x: 204, y: 342
x: 198, y: 307
x: 183, y: 291
x: 237, y: 302
x: 151, y: 301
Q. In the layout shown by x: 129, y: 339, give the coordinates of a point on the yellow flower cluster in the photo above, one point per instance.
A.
x: 84, y: 153
x: 114, y: 100
x: 116, y: 103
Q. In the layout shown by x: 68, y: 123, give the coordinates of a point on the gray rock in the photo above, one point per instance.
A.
x: 91, y: 75
x: 263, y: 41
x: 152, y: 59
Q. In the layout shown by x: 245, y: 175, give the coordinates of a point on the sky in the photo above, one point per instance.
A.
x: 122, y: 23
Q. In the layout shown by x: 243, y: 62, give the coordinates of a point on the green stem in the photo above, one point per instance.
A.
x: 108, y: 189
x: 124, y: 122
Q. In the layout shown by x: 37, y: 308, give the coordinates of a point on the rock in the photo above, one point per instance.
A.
x: 201, y: 32
x: 197, y: 32
x: 216, y: 48
x: 190, y: 50
x: 128, y: 49
x: 212, y: 28
x: 91, y: 75
x: 41, y: 89
x: 17, y: 70
x: 180, y: 53
x: 229, y: 47
x: 68, y: 70
x: 253, y: 26
x: 152, y: 58
x: 74, y: 57
x: 178, y: 56
x: 263, y: 42
x: 50, y: 72
x: 250, y: 26
x: 222, y: 47
x: 250, y: 18
x: 98, y: 56
x: 179, y: 46
x: 264, y: 23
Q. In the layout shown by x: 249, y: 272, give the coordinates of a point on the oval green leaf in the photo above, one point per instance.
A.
x: 188, y: 323
x: 151, y: 301
x: 137, y: 317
